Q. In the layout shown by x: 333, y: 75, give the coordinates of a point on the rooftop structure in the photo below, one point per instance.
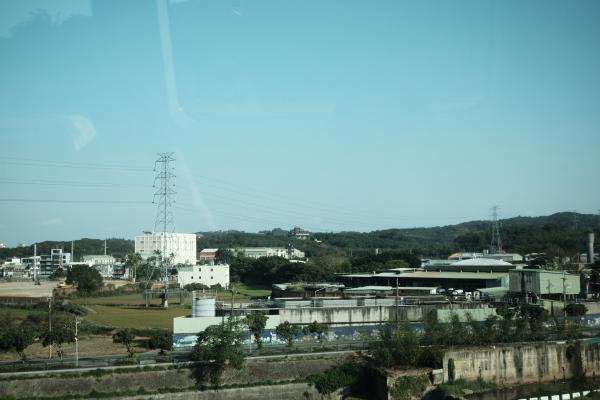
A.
x: 208, y: 275
x: 300, y: 233
x: 207, y: 255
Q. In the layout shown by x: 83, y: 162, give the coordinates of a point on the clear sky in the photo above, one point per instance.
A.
x: 330, y: 115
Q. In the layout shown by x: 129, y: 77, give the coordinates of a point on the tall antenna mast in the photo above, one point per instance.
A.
x: 496, y: 243
x: 164, y: 198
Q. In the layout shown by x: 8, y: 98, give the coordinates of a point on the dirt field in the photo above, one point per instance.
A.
x: 27, y: 289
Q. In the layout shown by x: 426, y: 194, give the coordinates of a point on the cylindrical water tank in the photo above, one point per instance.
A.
x: 203, y: 307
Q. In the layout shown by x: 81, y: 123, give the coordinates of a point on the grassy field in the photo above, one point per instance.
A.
x: 135, y: 317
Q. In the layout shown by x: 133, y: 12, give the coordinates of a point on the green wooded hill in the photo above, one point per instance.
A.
x: 557, y: 234
x: 561, y: 234
x: 116, y: 247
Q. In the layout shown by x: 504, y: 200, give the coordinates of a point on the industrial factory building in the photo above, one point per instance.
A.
x: 545, y: 284
x: 181, y: 245
x: 345, y: 318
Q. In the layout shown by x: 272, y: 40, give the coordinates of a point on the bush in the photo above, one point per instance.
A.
x: 160, y: 340
x: 458, y: 386
x: 409, y: 387
x: 334, y: 378
x: 451, y: 370
x: 576, y: 310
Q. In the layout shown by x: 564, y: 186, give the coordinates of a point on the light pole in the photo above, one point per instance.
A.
x: 397, y: 322
x: 50, y: 326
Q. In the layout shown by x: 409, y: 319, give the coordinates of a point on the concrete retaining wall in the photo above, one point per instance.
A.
x: 290, y: 391
x: 524, y: 363
x: 365, y: 314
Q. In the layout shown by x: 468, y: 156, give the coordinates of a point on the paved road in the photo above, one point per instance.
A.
x: 167, y: 364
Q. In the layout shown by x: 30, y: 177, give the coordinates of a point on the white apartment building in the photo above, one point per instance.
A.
x: 181, y: 245
x: 51, y: 262
x: 208, y: 275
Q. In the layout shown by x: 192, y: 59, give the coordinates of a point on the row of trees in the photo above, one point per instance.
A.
x: 57, y: 330
x: 269, y: 270
x: 219, y: 346
x: 396, y: 344
x: 402, y: 345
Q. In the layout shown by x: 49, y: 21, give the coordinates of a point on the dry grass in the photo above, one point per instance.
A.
x: 89, y: 346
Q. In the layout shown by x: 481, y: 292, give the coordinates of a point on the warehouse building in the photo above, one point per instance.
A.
x: 545, y: 284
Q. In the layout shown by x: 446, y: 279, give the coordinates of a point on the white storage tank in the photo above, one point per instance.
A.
x: 203, y: 307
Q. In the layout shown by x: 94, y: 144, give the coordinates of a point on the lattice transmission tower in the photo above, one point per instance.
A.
x: 164, y: 198
x: 496, y: 243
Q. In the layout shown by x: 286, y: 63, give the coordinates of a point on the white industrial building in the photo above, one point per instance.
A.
x: 209, y: 275
x: 258, y: 252
x: 99, y: 259
x: 181, y: 245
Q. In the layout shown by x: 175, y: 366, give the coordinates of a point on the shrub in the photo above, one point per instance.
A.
x: 451, y: 370
x: 409, y: 387
x: 334, y: 378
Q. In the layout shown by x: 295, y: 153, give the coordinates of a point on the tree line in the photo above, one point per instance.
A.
x: 269, y: 270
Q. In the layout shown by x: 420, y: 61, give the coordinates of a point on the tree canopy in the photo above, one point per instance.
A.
x: 87, y: 279
x: 220, y: 346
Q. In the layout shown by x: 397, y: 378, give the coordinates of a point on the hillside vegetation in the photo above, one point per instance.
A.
x: 560, y: 234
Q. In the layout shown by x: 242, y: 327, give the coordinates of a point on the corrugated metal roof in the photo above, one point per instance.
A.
x: 482, y: 262
x: 455, y: 275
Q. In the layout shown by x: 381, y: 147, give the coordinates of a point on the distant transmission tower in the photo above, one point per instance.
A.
x: 164, y: 198
x: 496, y: 243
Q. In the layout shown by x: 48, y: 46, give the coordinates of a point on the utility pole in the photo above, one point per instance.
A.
x: 564, y: 278
x: 72, y: 251
x: 104, y: 246
x: 232, y: 299
x: 397, y: 321
x: 164, y: 183
x: 50, y: 326
x: 35, y: 274
x: 76, y: 343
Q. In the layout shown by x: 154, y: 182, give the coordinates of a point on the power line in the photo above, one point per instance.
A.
x: 70, y: 164
x: 334, y: 214
x: 21, y: 200
x: 43, y: 182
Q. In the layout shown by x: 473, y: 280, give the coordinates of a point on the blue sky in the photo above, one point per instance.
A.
x: 331, y: 115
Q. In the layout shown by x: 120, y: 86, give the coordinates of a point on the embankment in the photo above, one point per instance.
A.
x: 165, y: 382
